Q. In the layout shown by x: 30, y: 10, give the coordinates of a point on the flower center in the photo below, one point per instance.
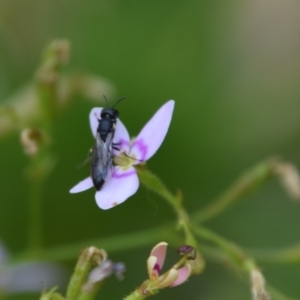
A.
x: 124, y: 160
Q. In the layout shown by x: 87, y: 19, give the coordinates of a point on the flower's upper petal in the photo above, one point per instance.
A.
x: 94, y: 119
x: 156, y: 260
x: 183, y: 275
x: 82, y: 186
x: 121, y: 186
x: 121, y: 138
x: 152, y: 135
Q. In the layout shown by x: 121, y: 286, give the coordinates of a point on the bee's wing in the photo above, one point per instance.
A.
x: 108, y: 155
x: 102, y: 160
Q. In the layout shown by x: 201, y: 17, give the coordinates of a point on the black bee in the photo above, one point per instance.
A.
x: 102, y: 152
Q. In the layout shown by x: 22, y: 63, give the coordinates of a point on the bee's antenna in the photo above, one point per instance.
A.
x: 122, y: 98
x: 106, y: 100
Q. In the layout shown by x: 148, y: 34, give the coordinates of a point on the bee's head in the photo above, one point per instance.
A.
x: 109, y: 113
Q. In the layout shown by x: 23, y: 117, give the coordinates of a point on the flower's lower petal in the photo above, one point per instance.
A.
x: 169, y: 279
x: 183, y: 275
x: 121, y: 138
x: 82, y: 186
x: 94, y: 119
x: 121, y: 186
x: 153, y: 133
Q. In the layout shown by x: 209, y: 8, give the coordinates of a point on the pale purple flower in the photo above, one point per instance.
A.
x: 32, y: 276
x: 124, y: 181
x: 104, y: 270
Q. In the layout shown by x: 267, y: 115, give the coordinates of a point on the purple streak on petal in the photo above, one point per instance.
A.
x: 142, y: 150
x: 123, y: 145
x: 159, y: 251
x: 123, y: 174
x: 157, y: 268
x: 121, y: 137
x: 154, y: 131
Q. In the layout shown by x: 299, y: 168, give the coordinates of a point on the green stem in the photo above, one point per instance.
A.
x: 247, y: 183
x: 287, y: 255
x: 218, y: 255
x: 87, y: 259
x: 90, y: 295
x: 233, y: 251
x: 54, y: 57
x: 41, y: 166
x: 136, y: 295
x: 51, y: 295
x: 35, y: 216
x: 46, y: 84
x: 123, y: 242
x: 153, y: 183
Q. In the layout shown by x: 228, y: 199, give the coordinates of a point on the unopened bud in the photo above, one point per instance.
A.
x: 61, y: 49
x: 189, y: 251
x: 290, y: 178
x: 258, y: 286
x: 197, y: 265
x: 31, y: 139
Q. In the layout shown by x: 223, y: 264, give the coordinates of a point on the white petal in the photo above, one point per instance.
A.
x: 94, y: 119
x: 152, y: 135
x: 121, y: 186
x: 121, y: 137
x: 82, y: 186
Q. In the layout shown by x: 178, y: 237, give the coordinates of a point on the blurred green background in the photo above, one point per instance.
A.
x: 233, y: 68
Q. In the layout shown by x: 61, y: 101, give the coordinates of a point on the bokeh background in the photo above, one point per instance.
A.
x: 233, y: 68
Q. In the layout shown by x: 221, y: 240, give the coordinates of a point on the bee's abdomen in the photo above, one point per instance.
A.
x: 98, y: 183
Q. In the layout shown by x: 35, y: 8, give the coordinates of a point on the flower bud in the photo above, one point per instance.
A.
x: 258, y: 286
x: 290, y: 178
x: 31, y: 139
x: 189, y: 251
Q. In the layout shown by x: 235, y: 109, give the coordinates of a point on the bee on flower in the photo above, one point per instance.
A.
x: 123, y: 181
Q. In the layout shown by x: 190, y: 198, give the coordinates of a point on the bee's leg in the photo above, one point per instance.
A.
x: 90, y: 153
x: 87, y: 159
x: 133, y: 158
x: 114, y: 146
